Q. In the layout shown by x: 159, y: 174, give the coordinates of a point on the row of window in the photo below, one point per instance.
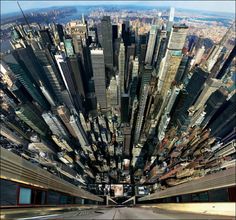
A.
x: 216, y: 195
x: 12, y: 194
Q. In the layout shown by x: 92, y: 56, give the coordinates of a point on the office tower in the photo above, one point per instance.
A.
x: 183, y: 70
x: 28, y: 61
x: 78, y: 44
x: 122, y: 69
x: 20, y: 92
x: 174, y: 93
x: 211, y: 86
x: 218, y: 64
x: 78, y: 29
x: 143, y: 48
x: 151, y: 45
x: 172, y: 59
x: 64, y: 114
x: 47, y: 95
x: 97, y: 58
x: 191, y: 44
x: 162, y: 126
x: 77, y: 74
x: 116, y: 52
x: 124, y: 109
x: 8, y: 98
x: 213, y: 104
x: 65, y: 73
x: 217, y: 48
x: 69, y: 46
x: 114, y: 32
x: 27, y: 80
x: 140, y: 116
x: 80, y: 133
x: 226, y: 64
x: 46, y: 38
x: 60, y: 32
x: 13, y: 137
x: 67, y: 100
x: 171, y: 19
x: 223, y: 121
x: 7, y: 76
x: 198, y: 56
x: 160, y: 49
x: 134, y: 80
x: 193, y: 90
x: 92, y: 35
x: 54, y: 124
x: 91, y: 101
x: 127, y: 141
x: 112, y: 93
x: 106, y: 29
x: 87, y: 63
x: 198, y: 44
x: 63, y: 144
x: 146, y: 75
x: 130, y: 54
x: 160, y: 35
x: 46, y: 60
x: 42, y: 146
x: 125, y: 33
x: 68, y: 80
x: 28, y: 114
x: 195, y: 86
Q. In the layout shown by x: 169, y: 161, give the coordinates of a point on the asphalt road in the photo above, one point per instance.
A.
x: 125, y: 213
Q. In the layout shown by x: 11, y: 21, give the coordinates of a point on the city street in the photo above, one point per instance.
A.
x: 126, y: 213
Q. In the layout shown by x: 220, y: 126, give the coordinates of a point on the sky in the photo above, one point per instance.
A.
x: 211, y: 6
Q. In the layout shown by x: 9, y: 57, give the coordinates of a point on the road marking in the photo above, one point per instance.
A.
x: 40, y: 217
x: 114, y: 215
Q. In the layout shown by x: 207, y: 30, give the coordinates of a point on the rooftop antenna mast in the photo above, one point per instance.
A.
x: 23, y: 15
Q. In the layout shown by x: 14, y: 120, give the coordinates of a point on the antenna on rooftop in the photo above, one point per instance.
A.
x: 23, y: 15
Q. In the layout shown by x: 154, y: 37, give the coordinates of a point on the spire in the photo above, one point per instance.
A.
x: 83, y: 18
x: 227, y: 34
x: 23, y: 15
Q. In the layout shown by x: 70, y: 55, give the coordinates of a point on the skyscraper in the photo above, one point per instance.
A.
x: 26, y: 79
x: 144, y: 89
x: 211, y: 86
x: 171, y: 19
x: 77, y: 74
x: 172, y: 59
x: 106, y: 29
x: 15, y: 138
x: 151, y: 45
x: 54, y: 124
x: 46, y: 38
x: 121, y: 69
x: 97, y: 58
x: 68, y: 80
x: 29, y: 115
x: 69, y: 46
x: 217, y: 48
x: 46, y: 60
x: 124, y: 109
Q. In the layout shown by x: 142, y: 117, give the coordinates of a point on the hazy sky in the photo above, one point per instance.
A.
x: 217, y: 6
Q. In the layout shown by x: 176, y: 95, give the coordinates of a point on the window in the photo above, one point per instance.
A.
x: 63, y: 199
x: 200, y: 197
x: 218, y: 195
x: 53, y: 197
x: 40, y: 197
x: 186, y: 198
x: 25, y: 196
x: 8, y: 193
